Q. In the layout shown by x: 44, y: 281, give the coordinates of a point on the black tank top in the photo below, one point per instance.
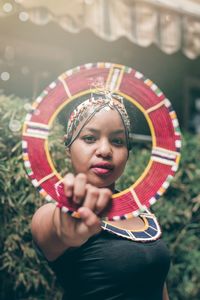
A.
x: 108, y: 267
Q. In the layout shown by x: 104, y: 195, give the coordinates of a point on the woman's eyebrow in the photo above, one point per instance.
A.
x: 118, y: 131
x: 90, y: 129
x: 93, y: 130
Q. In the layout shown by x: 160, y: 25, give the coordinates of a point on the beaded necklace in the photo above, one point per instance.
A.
x: 150, y: 232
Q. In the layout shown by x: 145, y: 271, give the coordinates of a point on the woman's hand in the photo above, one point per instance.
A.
x: 55, y: 231
x: 74, y: 232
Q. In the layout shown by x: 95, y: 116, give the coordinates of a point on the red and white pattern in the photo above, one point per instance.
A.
x: 132, y: 86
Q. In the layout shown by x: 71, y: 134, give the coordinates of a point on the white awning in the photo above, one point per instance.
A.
x: 171, y: 24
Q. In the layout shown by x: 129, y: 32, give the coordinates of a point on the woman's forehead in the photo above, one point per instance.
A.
x: 110, y: 123
x: 109, y: 119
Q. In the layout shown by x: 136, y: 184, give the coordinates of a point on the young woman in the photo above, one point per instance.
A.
x: 92, y: 263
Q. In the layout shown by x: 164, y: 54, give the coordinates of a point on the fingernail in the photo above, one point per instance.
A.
x: 68, y: 194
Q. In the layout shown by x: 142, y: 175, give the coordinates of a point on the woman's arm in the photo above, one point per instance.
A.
x: 44, y: 231
x: 55, y: 231
x: 165, y: 293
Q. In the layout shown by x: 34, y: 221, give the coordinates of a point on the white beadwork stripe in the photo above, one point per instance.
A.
x: 139, y: 204
x: 36, y: 133
x: 175, y: 123
x: 138, y: 75
x: 107, y: 65
x: 155, y: 107
x: 39, y: 99
x: 65, y: 86
x: 46, y: 178
x: 165, y: 184
x: 178, y: 143
x: 148, y: 234
x: 49, y: 198
x: 52, y: 85
x: 136, y: 213
x: 152, y: 200
x: 116, y: 218
x: 88, y: 66
x: 164, y: 154
x: 163, y: 161
x: 167, y: 103
x: 69, y: 72
x: 164, y: 151
x: 37, y: 125
x: 130, y: 234
x: 64, y: 209
x: 35, y: 182
x: 24, y: 144
x: 28, y: 117
x: 27, y: 164
x: 114, y: 78
x: 154, y: 87
x: 175, y: 168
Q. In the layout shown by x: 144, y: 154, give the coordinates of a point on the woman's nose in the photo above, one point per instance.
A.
x: 104, y: 149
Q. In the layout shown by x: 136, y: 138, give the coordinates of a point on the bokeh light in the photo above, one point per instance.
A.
x: 7, y: 7
x: 23, y: 16
x: 15, y: 125
x: 5, y: 76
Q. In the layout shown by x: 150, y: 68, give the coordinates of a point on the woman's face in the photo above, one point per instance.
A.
x: 100, y: 151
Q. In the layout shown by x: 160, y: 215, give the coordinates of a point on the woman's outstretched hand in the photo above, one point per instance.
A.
x: 92, y: 201
x: 55, y: 231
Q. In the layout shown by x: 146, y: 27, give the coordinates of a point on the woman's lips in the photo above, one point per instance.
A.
x: 101, y: 171
x: 103, y: 168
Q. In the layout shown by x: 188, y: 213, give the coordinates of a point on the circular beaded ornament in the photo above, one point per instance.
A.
x: 132, y: 86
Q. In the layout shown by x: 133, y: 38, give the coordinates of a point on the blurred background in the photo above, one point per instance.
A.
x: 41, y: 39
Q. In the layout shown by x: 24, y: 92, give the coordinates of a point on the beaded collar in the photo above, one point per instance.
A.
x: 150, y: 232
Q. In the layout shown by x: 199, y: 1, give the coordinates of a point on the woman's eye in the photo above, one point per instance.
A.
x: 118, y: 142
x: 89, y: 139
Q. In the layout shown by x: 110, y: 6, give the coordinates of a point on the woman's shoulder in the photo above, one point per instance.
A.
x: 40, y: 217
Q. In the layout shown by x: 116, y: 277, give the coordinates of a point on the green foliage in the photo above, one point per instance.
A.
x: 25, y: 276
x: 179, y: 214
x: 22, y: 274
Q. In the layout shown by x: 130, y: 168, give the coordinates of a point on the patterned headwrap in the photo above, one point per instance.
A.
x: 87, y: 109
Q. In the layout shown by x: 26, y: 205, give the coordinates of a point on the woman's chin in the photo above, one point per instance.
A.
x: 101, y: 182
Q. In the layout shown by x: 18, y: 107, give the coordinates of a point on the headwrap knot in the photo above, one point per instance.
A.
x: 84, y: 112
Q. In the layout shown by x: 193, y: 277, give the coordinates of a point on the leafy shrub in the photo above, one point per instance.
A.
x: 179, y: 214
x: 24, y: 276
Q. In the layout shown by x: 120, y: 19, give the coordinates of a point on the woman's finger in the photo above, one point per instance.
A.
x: 79, y: 188
x: 103, y: 200
x: 68, y: 182
x: 90, y: 219
x: 91, y: 198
